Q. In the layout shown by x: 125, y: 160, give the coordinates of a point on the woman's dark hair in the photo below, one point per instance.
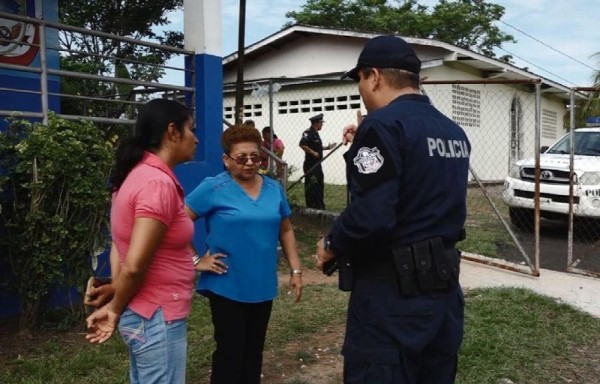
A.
x: 239, y: 133
x: 152, y: 122
x: 267, y: 129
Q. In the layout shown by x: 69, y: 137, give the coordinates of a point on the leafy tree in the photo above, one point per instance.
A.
x: 54, y: 209
x: 589, y: 107
x: 108, y: 57
x: 467, y: 24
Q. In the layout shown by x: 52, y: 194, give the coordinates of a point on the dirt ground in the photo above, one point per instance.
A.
x: 323, y: 362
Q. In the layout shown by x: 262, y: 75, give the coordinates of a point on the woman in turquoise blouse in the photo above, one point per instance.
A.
x: 246, y: 216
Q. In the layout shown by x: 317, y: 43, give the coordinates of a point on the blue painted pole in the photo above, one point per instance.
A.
x: 202, y: 31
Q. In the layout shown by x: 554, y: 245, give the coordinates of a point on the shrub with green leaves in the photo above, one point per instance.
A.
x: 55, y: 204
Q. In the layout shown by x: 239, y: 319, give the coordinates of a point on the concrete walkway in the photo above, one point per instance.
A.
x: 580, y: 291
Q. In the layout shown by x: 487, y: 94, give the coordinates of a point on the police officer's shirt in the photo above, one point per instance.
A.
x: 311, y: 139
x: 407, y: 172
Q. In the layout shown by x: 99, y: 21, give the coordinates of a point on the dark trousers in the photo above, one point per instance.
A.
x: 314, y: 187
x: 240, y: 330
x: 402, y: 339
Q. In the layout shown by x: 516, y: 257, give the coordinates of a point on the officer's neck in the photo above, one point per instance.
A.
x: 387, y: 95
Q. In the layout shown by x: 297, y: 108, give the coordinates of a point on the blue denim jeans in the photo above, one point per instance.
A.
x: 157, y: 348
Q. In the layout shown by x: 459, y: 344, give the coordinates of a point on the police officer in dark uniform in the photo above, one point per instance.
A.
x: 407, y: 171
x: 314, y: 184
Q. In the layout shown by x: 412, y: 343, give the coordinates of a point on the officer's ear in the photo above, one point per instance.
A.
x: 374, y: 79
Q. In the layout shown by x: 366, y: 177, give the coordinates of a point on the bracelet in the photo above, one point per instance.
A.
x: 295, y: 272
x: 195, y: 259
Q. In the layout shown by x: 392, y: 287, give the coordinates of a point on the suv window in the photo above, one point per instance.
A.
x: 586, y: 143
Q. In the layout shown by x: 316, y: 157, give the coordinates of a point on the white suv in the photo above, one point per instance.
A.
x: 554, y: 180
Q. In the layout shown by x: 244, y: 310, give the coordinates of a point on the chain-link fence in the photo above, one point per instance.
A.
x: 581, y: 192
x: 507, y: 122
x: 293, y: 102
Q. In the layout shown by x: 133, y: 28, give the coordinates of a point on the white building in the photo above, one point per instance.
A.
x: 304, y: 65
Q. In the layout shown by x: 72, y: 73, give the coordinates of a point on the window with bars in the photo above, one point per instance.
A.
x: 466, y: 106
x: 549, y: 124
x: 318, y: 104
x: 250, y: 110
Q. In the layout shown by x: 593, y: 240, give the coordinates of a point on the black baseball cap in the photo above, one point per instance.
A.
x: 386, y: 52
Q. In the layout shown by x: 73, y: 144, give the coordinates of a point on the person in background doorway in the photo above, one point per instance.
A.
x: 314, y: 182
x: 246, y: 216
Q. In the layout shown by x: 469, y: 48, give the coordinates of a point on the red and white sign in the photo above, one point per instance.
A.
x: 14, y: 33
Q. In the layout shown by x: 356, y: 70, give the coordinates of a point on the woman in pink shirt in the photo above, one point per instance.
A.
x: 278, y: 148
x: 151, y: 258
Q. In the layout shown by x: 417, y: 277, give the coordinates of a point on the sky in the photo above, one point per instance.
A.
x: 555, y: 39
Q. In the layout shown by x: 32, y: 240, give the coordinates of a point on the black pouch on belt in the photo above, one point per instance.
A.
x: 405, y: 270
x: 423, y: 263
x: 443, y: 263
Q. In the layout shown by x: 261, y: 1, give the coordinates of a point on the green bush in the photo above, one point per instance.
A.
x: 54, y: 205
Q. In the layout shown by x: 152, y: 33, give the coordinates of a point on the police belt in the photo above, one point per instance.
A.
x: 420, y: 267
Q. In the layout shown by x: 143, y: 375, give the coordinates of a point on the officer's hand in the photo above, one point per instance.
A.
x: 350, y: 130
x: 316, y: 154
x: 322, y: 255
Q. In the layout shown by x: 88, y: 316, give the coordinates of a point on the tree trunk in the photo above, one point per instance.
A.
x: 29, y: 313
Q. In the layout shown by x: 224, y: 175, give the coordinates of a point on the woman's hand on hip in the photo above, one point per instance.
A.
x: 211, y: 263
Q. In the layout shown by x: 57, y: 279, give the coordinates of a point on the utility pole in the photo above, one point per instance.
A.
x: 239, y: 86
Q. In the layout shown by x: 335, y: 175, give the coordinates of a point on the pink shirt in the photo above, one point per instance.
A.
x: 277, y: 148
x: 151, y: 190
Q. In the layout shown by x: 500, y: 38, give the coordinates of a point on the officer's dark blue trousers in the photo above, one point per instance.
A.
x: 392, y: 339
x: 314, y: 187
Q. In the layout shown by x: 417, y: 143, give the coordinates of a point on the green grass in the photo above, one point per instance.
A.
x: 510, y: 333
x: 335, y: 196
x: 527, y: 338
x: 485, y: 233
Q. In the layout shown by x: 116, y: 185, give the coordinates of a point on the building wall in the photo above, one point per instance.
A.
x: 312, y: 56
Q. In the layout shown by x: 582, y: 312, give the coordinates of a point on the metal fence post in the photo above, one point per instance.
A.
x: 44, y: 73
x: 538, y: 130
x: 571, y: 173
x: 272, y: 130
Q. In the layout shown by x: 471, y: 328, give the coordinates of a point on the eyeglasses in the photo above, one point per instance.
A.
x: 241, y: 160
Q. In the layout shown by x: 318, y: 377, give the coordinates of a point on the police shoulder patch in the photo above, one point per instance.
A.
x: 368, y: 160
x: 372, y: 163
